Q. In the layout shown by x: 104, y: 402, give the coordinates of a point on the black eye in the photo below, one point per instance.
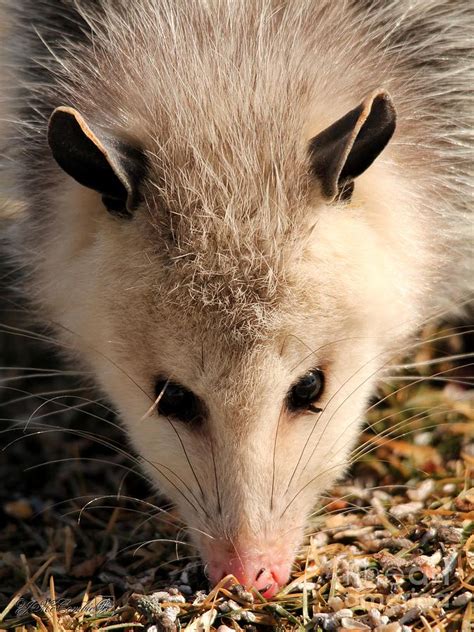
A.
x: 306, y: 391
x: 176, y: 401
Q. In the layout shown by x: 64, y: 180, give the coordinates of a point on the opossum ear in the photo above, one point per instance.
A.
x: 349, y: 146
x: 97, y: 160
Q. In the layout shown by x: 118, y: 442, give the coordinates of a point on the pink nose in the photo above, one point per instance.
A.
x: 267, y: 577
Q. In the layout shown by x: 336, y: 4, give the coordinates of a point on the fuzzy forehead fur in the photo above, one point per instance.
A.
x: 228, y: 187
x: 225, y: 117
x: 224, y: 96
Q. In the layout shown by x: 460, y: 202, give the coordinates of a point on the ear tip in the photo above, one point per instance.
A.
x: 384, y: 97
x: 64, y: 112
x: 58, y: 120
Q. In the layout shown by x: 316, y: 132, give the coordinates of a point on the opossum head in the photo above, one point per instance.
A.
x: 237, y: 325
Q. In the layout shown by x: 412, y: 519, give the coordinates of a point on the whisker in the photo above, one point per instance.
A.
x: 154, y: 541
x: 431, y: 361
x: 183, y: 447
x: 189, y: 463
x: 274, y: 459
x: 402, y: 388
x: 372, y: 488
x: 5, y: 328
x: 397, y: 437
x: 216, y: 479
x: 92, y: 498
x: 469, y: 381
x: 29, y: 395
x: 388, y: 432
x: 182, y: 559
x: 374, y: 423
x: 110, y: 445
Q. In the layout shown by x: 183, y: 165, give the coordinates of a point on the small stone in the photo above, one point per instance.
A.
x: 449, y: 534
x: 336, y: 603
x: 463, y: 599
x: 199, y: 598
x: 148, y: 606
x: 325, y: 621
x: 391, y: 562
x: 389, y: 627
x: 397, y: 610
x: 396, y: 544
x: 464, y: 503
x: 383, y: 496
x: 305, y: 586
x: 244, y: 595
x: 167, y: 625
x: 319, y: 540
x: 449, y: 488
x: 185, y: 589
x: 405, y: 509
x: 352, y: 534
x: 161, y: 595
x: 411, y: 615
x: 382, y: 583
x: 361, y: 563
x: 229, y: 607
x: 423, y: 603
x: 423, y: 490
x: 352, y: 624
x: 171, y: 612
x: 423, y: 438
x: 248, y: 616
x: 343, y: 612
x: 374, y: 617
x: 354, y: 580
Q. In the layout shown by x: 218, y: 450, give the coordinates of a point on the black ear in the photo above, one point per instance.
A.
x: 349, y: 146
x: 97, y: 160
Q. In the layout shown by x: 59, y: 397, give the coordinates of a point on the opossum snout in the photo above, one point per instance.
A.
x: 265, y: 571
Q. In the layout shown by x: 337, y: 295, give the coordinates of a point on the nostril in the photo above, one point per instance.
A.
x: 249, y: 571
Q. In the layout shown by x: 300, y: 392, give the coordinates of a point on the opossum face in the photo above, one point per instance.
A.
x: 241, y: 391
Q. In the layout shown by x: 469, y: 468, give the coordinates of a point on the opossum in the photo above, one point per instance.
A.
x: 236, y: 214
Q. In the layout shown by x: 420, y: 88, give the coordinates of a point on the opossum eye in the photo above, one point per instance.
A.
x: 173, y: 400
x: 306, y: 391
